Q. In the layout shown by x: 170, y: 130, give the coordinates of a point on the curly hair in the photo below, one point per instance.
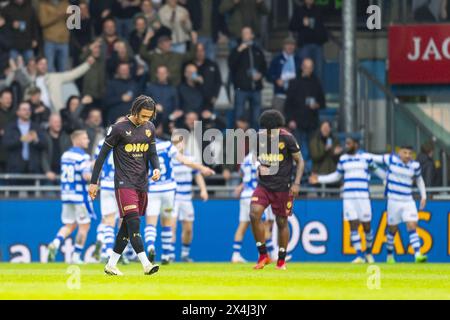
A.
x: 271, y: 119
x: 143, y: 102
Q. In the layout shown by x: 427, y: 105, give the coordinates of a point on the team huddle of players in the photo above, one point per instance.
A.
x: 140, y: 175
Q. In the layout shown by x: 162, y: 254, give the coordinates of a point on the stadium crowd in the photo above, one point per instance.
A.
x: 54, y: 80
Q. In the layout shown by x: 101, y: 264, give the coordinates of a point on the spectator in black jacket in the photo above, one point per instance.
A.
x: 425, y: 158
x: 308, y: 24
x: 304, y: 99
x: 40, y: 112
x: 7, y: 115
x: 5, y: 45
x: 71, y: 115
x: 80, y: 38
x: 24, y: 142
x: 207, y: 22
x: 247, y: 66
x: 124, y: 11
x: 137, y: 36
x: 210, y: 73
x: 22, y: 21
x: 57, y: 142
x: 189, y: 91
x: 120, y: 93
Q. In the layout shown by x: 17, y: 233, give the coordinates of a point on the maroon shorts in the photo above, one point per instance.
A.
x: 281, y: 202
x: 131, y: 201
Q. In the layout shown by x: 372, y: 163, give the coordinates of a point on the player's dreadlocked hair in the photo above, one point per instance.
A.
x: 271, y: 119
x: 143, y: 102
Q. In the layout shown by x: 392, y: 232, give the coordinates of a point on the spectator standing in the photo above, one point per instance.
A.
x: 80, y: 38
x: 124, y: 11
x: 57, y: 142
x: 243, y: 13
x: 53, y: 16
x: 207, y: 22
x: 154, y: 25
x: 303, y: 100
x: 247, y: 66
x: 425, y: 158
x: 51, y: 83
x: 325, y: 150
x: 137, y: 36
x: 209, y: 71
x: 94, y: 129
x: 176, y: 18
x: 21, y: 19
x: 5, y: 45
x: 120, y: 93
x: 24, y: 142
x: 165, y: 96
x: 71, y: 115
x: 163, y: 56
x: 7, y: 115
x: 282, y: 70
x: 308, y: 24
x: 99, y: 11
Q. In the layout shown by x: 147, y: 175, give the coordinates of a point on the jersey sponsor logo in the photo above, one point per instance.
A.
x: 130, y: 207
x: 148, y: 133
x: 137, y: 147
x: 128, y: 133
x: 272, y: 157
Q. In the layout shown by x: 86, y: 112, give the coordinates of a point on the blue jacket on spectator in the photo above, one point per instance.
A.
x: 165, y: 95
x: 275, y: 70
x: 115, y: 106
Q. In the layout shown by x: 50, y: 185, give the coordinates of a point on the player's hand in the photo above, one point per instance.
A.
x: 313, y: 179
x: 295, y: 189
x: 204, y: 195
x: 423, y: 203
x: 93, y: 189
x: 156, y: 175
x: 205, y: 171
x: 238, y: 190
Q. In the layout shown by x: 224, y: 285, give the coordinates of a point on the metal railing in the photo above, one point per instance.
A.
x: 40, y: 188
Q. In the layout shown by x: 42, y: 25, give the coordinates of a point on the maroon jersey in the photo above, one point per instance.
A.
x: 131, y: 145
x: 280, y: 160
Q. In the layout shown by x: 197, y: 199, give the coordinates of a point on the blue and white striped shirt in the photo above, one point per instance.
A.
x: 400, y: 176
x: 74, y: 189
x: 356, y: 172
x: 107, y: 176
x: 183, y: 177
x: 166, y: 153
x: 249, y: 168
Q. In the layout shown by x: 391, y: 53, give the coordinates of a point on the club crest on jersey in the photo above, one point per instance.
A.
x: 281, y: 145
x: 289, y: 205
x: 128, y: 133
x: 148, y: 133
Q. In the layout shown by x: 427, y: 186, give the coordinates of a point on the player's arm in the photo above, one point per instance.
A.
x: 380, y: 158
x: 191, y: 164
x: 325, y: 179
x: 103, y: 154
x: 154, y: 160
x: 422, y: 189
x: 202, y: 185
x: 300, y: 165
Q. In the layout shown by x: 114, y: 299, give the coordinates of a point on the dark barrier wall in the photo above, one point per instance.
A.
x: 27, y: 226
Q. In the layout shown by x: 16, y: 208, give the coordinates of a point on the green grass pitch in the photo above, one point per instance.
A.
x: 227, y: 281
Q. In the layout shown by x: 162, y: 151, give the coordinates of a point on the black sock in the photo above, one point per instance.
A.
x: 261, y: 248
x: 134, y: 231
x: 282, y: 254
x: 121, y: 238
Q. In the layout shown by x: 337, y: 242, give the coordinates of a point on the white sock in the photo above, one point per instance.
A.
x: 143, y: 258
x: 113, y: 259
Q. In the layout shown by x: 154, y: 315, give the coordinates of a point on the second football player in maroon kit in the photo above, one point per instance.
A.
x: 277, y: 150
